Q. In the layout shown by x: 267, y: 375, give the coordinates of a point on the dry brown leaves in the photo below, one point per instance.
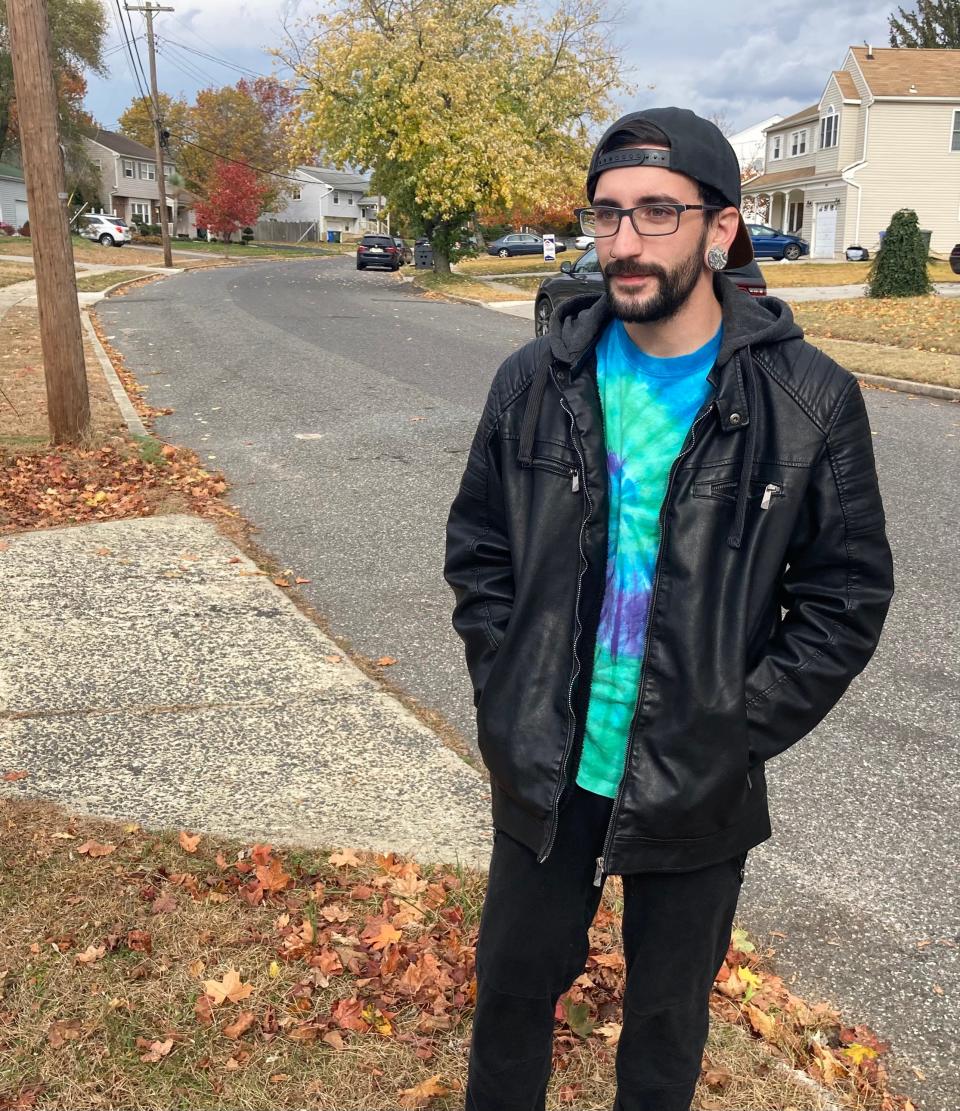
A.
x: 68, y: 485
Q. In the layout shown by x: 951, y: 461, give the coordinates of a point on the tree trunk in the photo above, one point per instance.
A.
x: 441, y: 263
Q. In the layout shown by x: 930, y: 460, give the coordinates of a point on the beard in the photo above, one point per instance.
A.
x: 673, y: 286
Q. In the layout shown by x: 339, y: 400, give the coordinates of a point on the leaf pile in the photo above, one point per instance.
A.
x: 69, y: 485
x: 337, y: 951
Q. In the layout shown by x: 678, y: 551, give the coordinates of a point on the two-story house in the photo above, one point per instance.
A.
x: 128, y: 183
x: 331, y: 200
x: 884, y: 135
x: 13, y: 196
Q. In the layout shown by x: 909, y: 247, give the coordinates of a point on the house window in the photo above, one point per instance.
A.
x: 98, y: 163
x: 295, y: 193
x: 955, y: 134
x: 798, y: 143
x: 140, y: 210
x: 129, y: 170
x: 775, y: 152
x: 351, y: 199
x: 336, y: 197
x: 167, y: 169
x: 148, y: 170
x: 795, y: 222
x: 828, y: 128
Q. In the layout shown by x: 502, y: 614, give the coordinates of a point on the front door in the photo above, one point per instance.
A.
x: 825, y: 231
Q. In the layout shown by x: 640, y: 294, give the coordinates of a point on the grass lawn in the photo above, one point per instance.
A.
x: 93, y: 283
x: 460, y: 285
x: 163, y: 970
x: 779, y: 274
x: 916, y: 323
x: 493, y: 266
x: 11, y: 273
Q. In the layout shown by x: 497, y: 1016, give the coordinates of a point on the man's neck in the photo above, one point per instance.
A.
x: 693, y: 325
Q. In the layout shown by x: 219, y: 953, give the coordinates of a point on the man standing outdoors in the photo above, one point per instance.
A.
x: 669, y: 561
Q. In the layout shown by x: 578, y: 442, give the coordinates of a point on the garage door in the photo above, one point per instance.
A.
x: 21, y: 213
x: 825, y: 232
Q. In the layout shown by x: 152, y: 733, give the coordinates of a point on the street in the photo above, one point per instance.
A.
x: 341, y: 406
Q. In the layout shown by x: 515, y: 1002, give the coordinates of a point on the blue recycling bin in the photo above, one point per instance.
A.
x: 330, y: 237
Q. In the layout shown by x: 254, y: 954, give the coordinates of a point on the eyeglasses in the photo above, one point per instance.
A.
x: 647, y: 219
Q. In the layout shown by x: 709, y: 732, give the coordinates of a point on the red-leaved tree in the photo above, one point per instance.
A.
x: 234, y: 201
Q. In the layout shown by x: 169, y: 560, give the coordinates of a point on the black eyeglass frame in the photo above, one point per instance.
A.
x: 679, y: 209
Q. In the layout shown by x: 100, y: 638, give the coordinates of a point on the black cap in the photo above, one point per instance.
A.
x: 698, y: 148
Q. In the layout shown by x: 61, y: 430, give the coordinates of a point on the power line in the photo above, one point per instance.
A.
x: 126, y: 43
x: 238, y: 161
x: 218, y: 61
x: 185, y: 66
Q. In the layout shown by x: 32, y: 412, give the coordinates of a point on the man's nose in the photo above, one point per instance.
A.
x: 626, y: 241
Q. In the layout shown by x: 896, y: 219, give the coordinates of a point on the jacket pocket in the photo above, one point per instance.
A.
x: 558, y: 459
x: 727, y: 489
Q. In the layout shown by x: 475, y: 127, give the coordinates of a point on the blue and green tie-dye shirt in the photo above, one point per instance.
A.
x: 648, y: 407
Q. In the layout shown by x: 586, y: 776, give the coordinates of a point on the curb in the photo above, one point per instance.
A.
x: 124, y: 404
x: 904, y: 385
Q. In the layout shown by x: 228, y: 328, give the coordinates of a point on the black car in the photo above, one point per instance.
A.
x: 955, y: 259
x: 378, y: 250
x: 585, y: 276
x: 406, y: 254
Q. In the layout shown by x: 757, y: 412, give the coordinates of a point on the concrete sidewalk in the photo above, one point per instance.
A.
x: 148, y: 672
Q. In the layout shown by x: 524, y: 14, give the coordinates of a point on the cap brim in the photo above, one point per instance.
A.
x: 741, y: 250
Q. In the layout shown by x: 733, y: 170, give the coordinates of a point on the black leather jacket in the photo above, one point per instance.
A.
x: 772, y: 503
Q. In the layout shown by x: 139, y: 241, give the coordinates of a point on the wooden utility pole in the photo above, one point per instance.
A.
x: 149, y: 9
x: 68, y: 403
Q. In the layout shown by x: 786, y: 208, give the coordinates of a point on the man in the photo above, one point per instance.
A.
x: 650, y: 485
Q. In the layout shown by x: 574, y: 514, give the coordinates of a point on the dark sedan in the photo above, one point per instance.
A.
x: 955, y: 259
x: 771, y: 243
x: 520, y: 243
x: 584, y: 276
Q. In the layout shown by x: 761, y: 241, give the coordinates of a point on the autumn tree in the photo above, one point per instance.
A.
x: 77, y: 31
x: 900, y: 268
x: 456, y: 105
x: 234, y: 200
x: 241, y: 121
x: 934, y: 24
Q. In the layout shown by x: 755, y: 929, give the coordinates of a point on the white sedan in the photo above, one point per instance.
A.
x: 583, y: 242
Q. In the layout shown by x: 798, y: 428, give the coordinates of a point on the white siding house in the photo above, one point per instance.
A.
x: 13, y: 197
x: 884, y: 135
x: 332, y: 200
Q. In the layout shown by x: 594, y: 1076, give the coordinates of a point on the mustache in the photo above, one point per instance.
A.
x: 627, y: 269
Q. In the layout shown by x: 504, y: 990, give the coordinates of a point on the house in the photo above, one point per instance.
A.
x: 13, y: 196
x: 330, y: 200
x: 751, y: 146
x: 128, y: 183
x: 884, y: 135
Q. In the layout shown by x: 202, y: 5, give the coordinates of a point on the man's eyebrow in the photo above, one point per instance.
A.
x: 647, y: 198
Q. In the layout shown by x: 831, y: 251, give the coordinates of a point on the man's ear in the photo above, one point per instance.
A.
x: 727, y: 222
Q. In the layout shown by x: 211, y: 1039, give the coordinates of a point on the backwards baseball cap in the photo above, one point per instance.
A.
x: 698, y: 149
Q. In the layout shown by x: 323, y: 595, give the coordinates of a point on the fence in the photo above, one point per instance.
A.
x: 287, y: 231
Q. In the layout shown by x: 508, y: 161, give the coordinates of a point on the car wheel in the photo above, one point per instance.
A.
x: 107, y: 240
x: 791, y: 252
x: 541, y: 316
x: 360, y: 266
x: 503, y: 252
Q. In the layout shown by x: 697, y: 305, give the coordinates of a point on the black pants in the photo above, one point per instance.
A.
x: 533, y: 944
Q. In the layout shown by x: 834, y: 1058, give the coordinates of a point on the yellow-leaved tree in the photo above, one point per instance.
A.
x: 455, y: 105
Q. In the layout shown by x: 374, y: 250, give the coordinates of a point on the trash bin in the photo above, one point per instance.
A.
x: 423, y: 255
x: 926, y: 239
x: 330, y: 236
x: 857, y: 254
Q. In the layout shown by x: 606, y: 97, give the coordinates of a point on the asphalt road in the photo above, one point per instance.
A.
x: 341, y: 406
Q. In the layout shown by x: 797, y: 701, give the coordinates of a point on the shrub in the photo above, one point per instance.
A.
x: 246, y: 235
x: 6, y: 229
x: 900, y: 268
x: 25, y: 230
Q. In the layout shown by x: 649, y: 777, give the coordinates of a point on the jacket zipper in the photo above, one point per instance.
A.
x: 598, y: 875
x: 575, y: 670
x: 558, y: 468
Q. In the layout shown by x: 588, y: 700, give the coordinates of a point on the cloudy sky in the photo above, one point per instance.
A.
x: 745, y: 61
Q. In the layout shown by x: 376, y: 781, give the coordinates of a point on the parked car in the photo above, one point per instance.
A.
x: 378, y: 250
x: 771, y: 243
x: 955, y: 259
x: 583, y: 242
x: 110, y: 231
x: 585, y: 277
x: 520, y: 243
x: 406, y: 254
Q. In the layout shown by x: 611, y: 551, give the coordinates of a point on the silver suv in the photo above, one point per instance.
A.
x: 111, y: 231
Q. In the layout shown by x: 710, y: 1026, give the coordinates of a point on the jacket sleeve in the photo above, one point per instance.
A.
x: 836, y: 591
x: 478, y: 565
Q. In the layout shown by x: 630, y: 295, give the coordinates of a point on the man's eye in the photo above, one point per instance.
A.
x: 605, y: 215
x: 656, y: 212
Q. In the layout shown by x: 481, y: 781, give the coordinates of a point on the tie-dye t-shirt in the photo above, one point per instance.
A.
x: 648, y: 407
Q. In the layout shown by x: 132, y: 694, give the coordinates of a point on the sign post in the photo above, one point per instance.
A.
x: 549, y: 248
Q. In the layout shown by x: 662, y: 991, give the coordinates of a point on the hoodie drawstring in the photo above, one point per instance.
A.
x: 534, y: 400
x: 735, y: 538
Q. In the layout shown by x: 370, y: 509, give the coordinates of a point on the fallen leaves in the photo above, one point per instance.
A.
x: 95, y: 849
x: 240, y: 1025
x: 156, y: 1051
x: 231, y: 988
x: 13, y: 777
x: 189, y: 841
x: 929, y: 323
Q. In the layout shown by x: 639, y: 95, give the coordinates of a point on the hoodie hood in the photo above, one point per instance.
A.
x: 747, y: 322
x: 578, y: 323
